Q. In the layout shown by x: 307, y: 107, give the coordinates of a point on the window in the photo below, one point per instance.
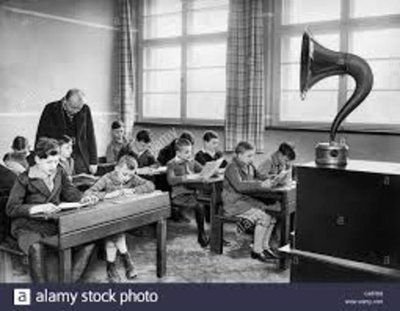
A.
x: 183, y: 56
x: 367, y: 28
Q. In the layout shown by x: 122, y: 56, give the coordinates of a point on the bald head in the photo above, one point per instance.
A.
x: 74, y: 100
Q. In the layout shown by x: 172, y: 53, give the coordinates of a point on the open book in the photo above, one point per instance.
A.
x: 211, y: 168
x: 64, y: 206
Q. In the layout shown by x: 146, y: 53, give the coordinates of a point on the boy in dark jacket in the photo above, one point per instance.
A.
x: 140, y: 149
x: 210, y: 150
x: 168, y: 152
x: 40, y: 189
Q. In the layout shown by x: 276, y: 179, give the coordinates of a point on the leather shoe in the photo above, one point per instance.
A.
x: 260, y: 256
x: 112, y: 273
x: 271, y: 253
x: 203, y: 240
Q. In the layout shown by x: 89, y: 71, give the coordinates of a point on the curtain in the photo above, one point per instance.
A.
x: 127, y: 82
x: 245, y: 109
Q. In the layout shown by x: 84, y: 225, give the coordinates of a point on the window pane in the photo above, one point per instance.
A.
x: 305, y: 11
x: 161, y: 106
x: 206, y: 79
x: 386, y: 75
x: 206, y: 105
x: 162, y: 81
x: 154, y: 7
x: 383, y: 43
x: 290, y: 79
x: 319, y: 106
x: 201, y: 4
x: 378, y: 108
x: 162, y: 26
x: 206, y: 54
x: 207, y: 21
x: 364, y: 8
x: 291, y: 46
x: 165, y: 57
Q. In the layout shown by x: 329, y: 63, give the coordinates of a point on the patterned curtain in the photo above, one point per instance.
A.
x: 127, y: 83
x: 245, y: 109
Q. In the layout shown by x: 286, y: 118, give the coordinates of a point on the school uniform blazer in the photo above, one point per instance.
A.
x: 52, y: 125
x: 176, y: 173
x: 239, y: 183
x: 113, y: 150
x: 7, y: 178
x: 167, y: 153
x: 28, y: 192
x: 203, y: 157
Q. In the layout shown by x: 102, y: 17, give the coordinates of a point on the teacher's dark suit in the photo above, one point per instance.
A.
x: 53, y: 124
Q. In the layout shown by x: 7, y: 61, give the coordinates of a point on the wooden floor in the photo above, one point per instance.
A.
x: 186, y: 260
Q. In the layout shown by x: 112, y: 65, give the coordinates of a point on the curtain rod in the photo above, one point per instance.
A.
x: 59, y: 18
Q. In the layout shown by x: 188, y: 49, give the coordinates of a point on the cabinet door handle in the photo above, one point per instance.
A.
x: 386, y: 180
x: 340, y: 220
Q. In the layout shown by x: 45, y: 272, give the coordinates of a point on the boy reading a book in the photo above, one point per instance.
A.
x: 239, y: 184
x: 39, y: 190
x: 279, y: 164
x: 121, y: 181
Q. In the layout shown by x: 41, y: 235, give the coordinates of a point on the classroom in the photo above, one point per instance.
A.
x: 199, y: 141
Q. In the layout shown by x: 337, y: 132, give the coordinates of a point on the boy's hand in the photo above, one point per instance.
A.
x: 90, y: 199
x: 128, y: 192
x: 268, y: 183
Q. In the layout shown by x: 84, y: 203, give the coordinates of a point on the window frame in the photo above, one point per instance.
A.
x: 344, y: 27
x: 183, y: 41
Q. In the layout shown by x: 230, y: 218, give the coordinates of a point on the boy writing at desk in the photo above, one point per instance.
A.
x: 121, y: 181
x: 239, y: 184
x: 39, y: 190
x: 179, y: 172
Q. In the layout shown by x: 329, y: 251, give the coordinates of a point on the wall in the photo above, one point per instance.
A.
x: 48, y: 47
x: 372, y: 147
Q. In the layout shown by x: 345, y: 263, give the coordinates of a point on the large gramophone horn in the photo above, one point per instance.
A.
x: 317, y: 63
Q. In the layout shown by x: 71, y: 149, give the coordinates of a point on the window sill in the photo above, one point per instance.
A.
x: 365, y: 130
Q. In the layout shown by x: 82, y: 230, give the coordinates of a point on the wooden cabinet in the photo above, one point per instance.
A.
x: 350, y: 213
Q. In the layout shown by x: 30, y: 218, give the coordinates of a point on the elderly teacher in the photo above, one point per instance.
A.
x: 71, y: 116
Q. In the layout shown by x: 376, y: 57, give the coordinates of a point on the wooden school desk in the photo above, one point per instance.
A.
x: 107, y: 218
